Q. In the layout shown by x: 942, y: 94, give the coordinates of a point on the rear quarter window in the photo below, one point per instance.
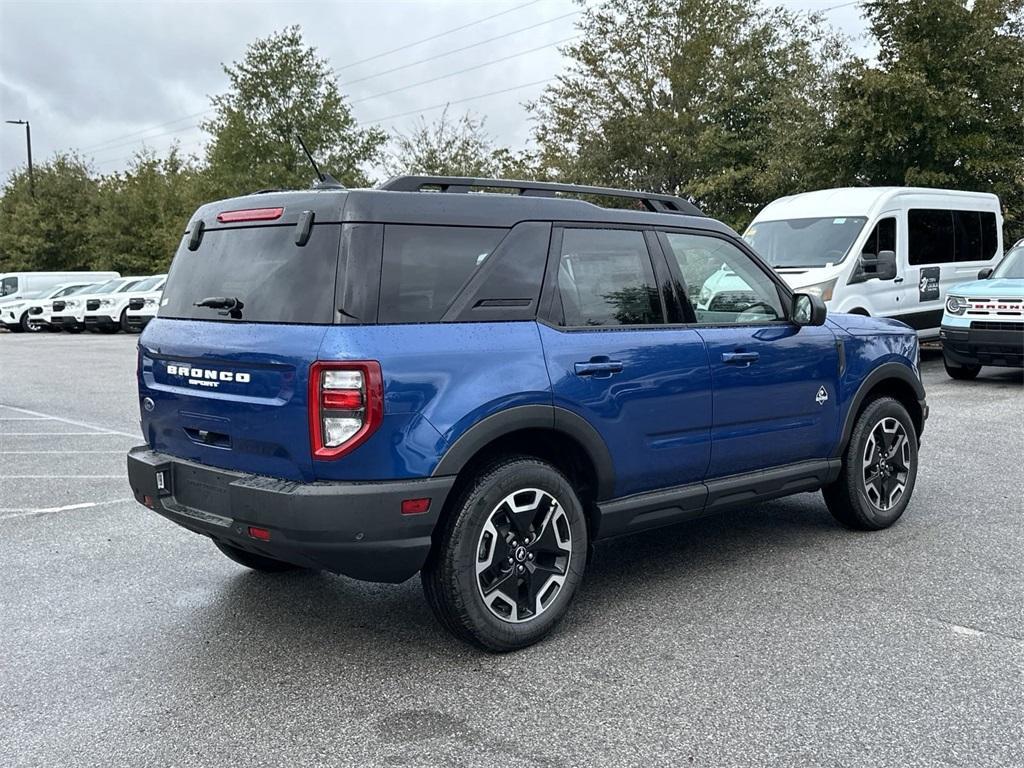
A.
x: 425, y: 267
x: 275, y: 280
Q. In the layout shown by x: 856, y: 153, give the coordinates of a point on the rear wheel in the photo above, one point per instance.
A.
x: 879, y: 468
x: 510, y: 556
x: 254, y: 561
x: 960, y: 372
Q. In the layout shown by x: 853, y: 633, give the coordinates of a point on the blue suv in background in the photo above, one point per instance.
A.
x: 476, y: 379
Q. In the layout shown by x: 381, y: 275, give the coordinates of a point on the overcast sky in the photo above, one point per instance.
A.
x: 108, y: 77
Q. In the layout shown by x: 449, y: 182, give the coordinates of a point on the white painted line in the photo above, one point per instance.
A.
x: 63, y: 434
x: 969, y: 631
x: 28, y: 512
x: 72, y: 422
x: 24, y: 453
x: 64, y: 477
x: 24, y: 418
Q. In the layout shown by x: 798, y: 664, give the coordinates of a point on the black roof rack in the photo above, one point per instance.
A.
x: 652, y: 201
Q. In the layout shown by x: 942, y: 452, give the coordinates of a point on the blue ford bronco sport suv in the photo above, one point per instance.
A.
x: 475, y: 379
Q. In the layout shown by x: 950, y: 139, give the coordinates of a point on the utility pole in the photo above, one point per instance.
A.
x: 28, y: 145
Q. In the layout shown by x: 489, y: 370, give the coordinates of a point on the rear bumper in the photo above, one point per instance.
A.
x: 355, y: 529
x: 1002, y: 346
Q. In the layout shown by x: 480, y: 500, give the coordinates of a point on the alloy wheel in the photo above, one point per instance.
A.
x: 523, y: 555
x: 886, y: 463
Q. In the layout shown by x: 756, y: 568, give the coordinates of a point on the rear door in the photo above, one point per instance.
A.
x: 225, y: 365
x: 775, y: 399
x: 613, y: 358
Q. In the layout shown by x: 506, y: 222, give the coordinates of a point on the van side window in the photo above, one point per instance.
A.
x: 931, y: 236
x: 605, y: 278
x: 882, y: 237
x: 8, y: 285
x: 976, y: 237
x: 426, y: 266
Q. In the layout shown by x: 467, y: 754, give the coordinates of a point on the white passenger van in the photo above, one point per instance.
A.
x: 881, y: 251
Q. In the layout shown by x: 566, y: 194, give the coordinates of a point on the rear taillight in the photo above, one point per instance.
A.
x: 346, y: 404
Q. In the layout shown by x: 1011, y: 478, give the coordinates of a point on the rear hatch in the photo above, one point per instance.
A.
x: 225, y: 364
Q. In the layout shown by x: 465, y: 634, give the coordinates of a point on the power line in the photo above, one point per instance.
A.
x: 459, y: 50
x: 113, y: 140
x: 434, y: 37
x: 462, y: 71
x: 457, y: 101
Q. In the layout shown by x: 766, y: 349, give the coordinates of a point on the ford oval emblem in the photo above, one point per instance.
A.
x: 148, y: 404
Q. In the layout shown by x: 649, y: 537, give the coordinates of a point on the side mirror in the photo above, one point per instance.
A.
x: 985, y: 274
x: 808, y: 309
x: 882, y: 266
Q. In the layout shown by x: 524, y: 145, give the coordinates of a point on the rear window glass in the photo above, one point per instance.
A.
x: 426, y: 266
x: 273, y: 279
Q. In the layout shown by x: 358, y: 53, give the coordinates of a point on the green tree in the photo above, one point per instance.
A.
x: 723, y: 100
x: 282, y: 88
x: 53, y: 230
x: 943, y: 105
x: 144, y: 211
x: 453, y: 147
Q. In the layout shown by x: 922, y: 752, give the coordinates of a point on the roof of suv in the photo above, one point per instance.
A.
x: 462, y: 207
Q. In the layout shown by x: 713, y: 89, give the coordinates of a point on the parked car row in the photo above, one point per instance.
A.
x: 102, y: 302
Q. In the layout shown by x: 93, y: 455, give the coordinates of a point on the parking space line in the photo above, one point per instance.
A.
x: 72, y: 422
x: 64, y: 434
x: 23, y: 418
x: 62, y: 477
x: 33, y: 453
x: 11, y: 514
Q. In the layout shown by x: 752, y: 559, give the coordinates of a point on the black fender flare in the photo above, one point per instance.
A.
x: 891, y: 370
x: 485, y: 431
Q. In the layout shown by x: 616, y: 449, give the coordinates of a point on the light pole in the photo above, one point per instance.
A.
x: 28, y: 144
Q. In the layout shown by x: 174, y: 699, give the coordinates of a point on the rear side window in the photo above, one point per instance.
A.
x: 930, y: 236
x: 425, y: 267
x: 976, y: 236
x: 274, y: 280
x: 605, y: 278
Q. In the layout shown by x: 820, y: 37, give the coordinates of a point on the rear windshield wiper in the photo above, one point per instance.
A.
x: 229, y: 303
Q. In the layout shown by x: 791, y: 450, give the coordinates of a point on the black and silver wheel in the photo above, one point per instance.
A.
x: 28, y: 325
x: 879, y: 468
x: 960, y: 372
x: 252, y: 560
x: 506, y: 565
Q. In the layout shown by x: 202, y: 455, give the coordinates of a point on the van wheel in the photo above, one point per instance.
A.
x: 879, y: 468
x: 254, y: 561
x: 961, y: 372
x: 508, y: 561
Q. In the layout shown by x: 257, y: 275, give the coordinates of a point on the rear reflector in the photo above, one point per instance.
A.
x: 259, y: 533
x: 415, y: 506
x: 250, y: 214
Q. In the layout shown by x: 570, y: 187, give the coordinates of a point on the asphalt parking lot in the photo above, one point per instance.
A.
x: 767, y: 636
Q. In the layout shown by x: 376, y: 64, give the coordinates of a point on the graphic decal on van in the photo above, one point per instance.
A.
x: 928, y: 285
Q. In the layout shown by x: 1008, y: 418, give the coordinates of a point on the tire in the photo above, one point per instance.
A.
x: 525, y: 598
x: 961, y: 372
x: 864, y: 497
x: 254, y: 561
x: 124, y: 322
x: 27, y: 326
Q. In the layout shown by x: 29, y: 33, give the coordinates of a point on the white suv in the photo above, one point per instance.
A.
x: 69, y: 313
x: 108, y: 313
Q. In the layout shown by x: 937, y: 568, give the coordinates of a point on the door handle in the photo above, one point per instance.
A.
x: 897, y: 279
x: 740, y: 358
x: 598, y: 368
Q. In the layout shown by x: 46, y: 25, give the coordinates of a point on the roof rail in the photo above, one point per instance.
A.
x: 652, y: 201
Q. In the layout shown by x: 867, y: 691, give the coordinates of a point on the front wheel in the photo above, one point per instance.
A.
x: 509, y: 559
x: 254, y: 561
x: 28, y: 326
x: 879, y: 468
x: 961, y: 372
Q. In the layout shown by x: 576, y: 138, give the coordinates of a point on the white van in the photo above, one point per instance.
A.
x: 881, y: 251
x: 16, y: 285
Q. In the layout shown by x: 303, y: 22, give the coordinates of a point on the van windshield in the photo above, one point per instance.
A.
x: 804, y: 242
